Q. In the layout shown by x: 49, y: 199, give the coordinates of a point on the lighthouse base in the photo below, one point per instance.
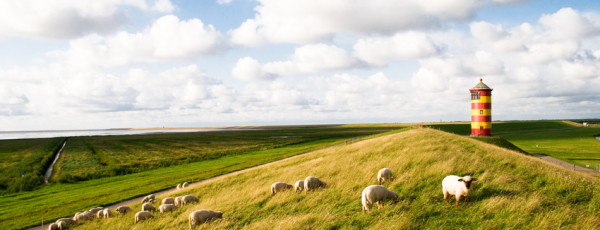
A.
x: 481, y: 132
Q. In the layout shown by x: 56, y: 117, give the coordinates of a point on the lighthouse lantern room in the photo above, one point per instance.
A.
x: 481, y: 110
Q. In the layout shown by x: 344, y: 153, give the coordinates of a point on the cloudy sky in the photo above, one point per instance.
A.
x: 83, y: 64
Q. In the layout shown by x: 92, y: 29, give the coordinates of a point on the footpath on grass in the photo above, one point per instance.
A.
x: 566, y: 164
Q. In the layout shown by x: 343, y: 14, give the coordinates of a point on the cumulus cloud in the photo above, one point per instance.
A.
x: 13, y: 103
x: 379, y: 50
x: 69, y: 18
x: 167, y: 39
x: 313, y: 21
x: 569, y: 23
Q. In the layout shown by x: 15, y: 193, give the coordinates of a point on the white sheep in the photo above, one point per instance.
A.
x: 168, y: 200
x: 96, y: 210
x: 148, y: 207
x: 188, y: 199
x: 311, y: 183
x: 201, y: 216
x: 299, y: 186
x: 167, y: 208
x: 53, y: 226
x: 184, y: 185
x: 385, y: 174
x: 148, y: 198
x: 178, y: 201
x: 279, y: 187
x: 376, y: 193
x: 83, y: 216
x: 178, y: 186
x: 142, y: 215
x: 62, y: 225
x: 457, y: 186
x: 123, y: 209
x: 68, y: 221
x: 106, y: 213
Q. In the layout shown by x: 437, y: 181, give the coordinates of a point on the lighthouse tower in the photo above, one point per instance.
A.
x: 481, y: 110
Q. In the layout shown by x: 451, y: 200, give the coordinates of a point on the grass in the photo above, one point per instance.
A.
x: 557, y: 139
x: 60, y: 200
x: 514, y: 190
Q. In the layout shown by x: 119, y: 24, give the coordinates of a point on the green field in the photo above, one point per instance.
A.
x: 514, y: 190
x: 557, y: 139
x: 64, y: 199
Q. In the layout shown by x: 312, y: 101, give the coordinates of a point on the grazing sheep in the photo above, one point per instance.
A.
x: 148, y: 198
x: 311, y: 183
x: 385, y: 174
x: 178, y: 186
x: 53, y: 226
x: 62, y: 225
x: 299, y: 186
x: 83, y: 216
x: 68, y: 221
x: 106, y: 213
x: 123, y: 209
x: 142, y: 215
x: 167, y: 208
x: 168, y: 200
x: 178, y: 201
x: 279, y: 187
x: 188, y: 199
x: 96, y: 210
x: 184, y: 185
x: 457, y: 186
x: 148, y: 207
x: 201, y: 216
x: 376, y: 193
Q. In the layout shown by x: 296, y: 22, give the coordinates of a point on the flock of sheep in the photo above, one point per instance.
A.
x: 451, y: 186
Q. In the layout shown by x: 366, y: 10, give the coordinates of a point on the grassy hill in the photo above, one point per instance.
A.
x: 513, y: 191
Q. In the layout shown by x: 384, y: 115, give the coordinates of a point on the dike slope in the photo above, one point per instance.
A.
x: 513, y: 190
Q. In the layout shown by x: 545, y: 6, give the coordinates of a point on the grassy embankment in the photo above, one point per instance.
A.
x: 30, y: 155
x: 64, y: 199
x: 557, y: 139
x: 514, y: 190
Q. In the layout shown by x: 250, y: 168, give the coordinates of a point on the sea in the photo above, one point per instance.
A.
x: 7, y: 135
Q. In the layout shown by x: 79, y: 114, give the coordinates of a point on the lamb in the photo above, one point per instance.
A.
x: 376, y: 193
x: 167, y: 208
x: 201, y: 216
x: 188, y: 199
x: 142, y: 215
x: 168, y: 200
x: 311, y: 183
x: 148, y: 207
x: 279, y: 187
x: 457, y: 186
x: 53, y: 226
x: 123, y: 209
x: 62, y: 225
x: 299, y: 186
x: 385, y: 174
x: 148, y: 198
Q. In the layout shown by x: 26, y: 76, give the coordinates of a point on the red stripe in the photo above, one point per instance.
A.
x: 486, y: 132
x: 481, y: 105
x: 481, y: 118
x: 482, y: 92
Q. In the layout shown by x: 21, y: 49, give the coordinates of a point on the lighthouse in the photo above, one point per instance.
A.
x: 481, y: 110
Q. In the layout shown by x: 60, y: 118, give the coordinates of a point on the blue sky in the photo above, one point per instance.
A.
x: 151, y: 63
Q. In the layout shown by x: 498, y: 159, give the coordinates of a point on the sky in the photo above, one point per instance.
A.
x: 87, y: 64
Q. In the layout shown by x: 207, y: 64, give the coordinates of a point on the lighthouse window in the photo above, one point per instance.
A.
x: 474, y: 95
x: 480, y: 127
x: 481, y: 111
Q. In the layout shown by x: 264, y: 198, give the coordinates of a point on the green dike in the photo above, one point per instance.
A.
x: 26, y: 209
x: 514, y: 190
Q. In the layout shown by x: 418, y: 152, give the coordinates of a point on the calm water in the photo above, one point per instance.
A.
x: 97, y: 132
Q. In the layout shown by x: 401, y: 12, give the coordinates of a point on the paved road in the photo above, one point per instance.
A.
x: 565, y: 164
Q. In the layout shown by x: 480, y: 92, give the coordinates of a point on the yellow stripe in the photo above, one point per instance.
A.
x: 483, y: 99
x: 486, y: 125
x: 477, y: 112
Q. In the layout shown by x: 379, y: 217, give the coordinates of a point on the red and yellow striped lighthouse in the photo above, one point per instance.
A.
x: 481, y: 110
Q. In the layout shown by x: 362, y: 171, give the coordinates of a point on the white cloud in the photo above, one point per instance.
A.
x: 248, y: 68
x: 487, y: 32
x: 13, y: 103
x: 167, y: 39
x: 312, y: 21
x: 379, y: 50
x: 223, y: 2
x: 569, y: 23
x: 67, y: 18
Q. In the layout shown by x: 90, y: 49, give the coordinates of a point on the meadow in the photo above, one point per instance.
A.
x: 57, y: 200
x: 557, y: 139
x: 514, y: 190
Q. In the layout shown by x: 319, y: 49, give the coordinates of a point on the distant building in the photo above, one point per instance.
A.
x: 481, y: 110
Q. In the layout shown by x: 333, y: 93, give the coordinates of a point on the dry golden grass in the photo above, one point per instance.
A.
x: 513, y: 190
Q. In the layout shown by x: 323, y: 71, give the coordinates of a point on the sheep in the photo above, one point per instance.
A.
x: 457, y: 186
x: 96, y: 210
x: 385, y: 174
x: 376, y: 193
x: 184, y: 185
x: 311, y: 183
x: 123, y: 209
x: 62, y: 225
x: 168, y: 200
x: 142, y: 215
x: 106, y: 213
x: 53, y: 226
x: 83, y: 216
x: 202, y: 216
x: 167, y: 208
x: 178, y: 186
x: 148, y: 207
x: 188, y: 199
x: 178, y: 201
x: 279, y: 187
x: 148, y: 198
x: 68, y: 221
x: 299, y: 186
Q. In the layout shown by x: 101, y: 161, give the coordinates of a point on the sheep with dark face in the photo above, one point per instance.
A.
x: 279, y: 187
x: 385, y: 174
x: 457, y: 186
x: 376, y: 194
